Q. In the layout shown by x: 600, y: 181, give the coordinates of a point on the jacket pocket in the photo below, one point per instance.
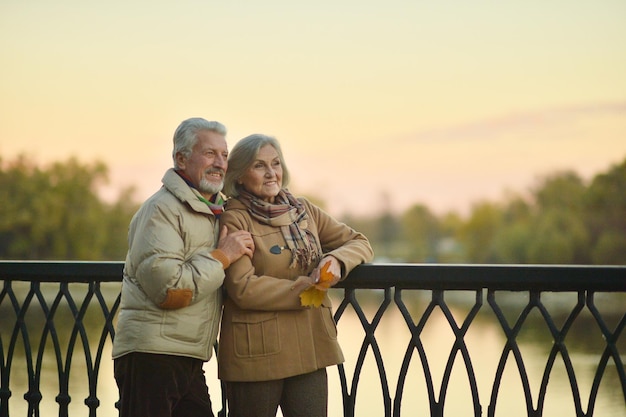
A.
x: 189, y: 325
x: 256, y: 334
x: 329, y: 322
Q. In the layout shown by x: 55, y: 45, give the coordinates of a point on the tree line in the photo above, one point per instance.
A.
x: 55, y: 212
x: 561, y: 220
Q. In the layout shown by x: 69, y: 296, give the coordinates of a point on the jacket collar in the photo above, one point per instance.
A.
x: 179, y: 188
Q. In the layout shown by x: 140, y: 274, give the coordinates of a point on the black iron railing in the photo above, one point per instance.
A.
x: 548, y: 323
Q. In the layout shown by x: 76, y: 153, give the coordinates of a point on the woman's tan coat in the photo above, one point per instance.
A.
x: 266, y: 334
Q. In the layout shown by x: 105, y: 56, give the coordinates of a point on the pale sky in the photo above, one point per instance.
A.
x: 376, y: 103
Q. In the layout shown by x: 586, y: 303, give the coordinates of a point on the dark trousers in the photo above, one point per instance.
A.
x: 152, y: 385
x: 299, y: 396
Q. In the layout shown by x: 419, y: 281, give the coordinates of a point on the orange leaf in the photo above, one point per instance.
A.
x: 314, y: 295
x: 325, y: 277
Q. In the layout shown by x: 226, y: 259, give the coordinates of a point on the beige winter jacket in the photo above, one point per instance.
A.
x: 266, y: 334
x: 171, y: 292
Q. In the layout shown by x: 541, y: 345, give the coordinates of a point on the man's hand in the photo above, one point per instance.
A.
x: 235, y: 244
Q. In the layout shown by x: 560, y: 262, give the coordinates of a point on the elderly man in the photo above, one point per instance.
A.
x: 171, y: 292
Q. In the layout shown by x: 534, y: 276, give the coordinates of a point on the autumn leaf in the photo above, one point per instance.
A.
x: 326, y: 277
x: 314, y: 295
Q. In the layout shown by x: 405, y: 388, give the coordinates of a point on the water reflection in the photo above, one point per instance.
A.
x: 485, y: 341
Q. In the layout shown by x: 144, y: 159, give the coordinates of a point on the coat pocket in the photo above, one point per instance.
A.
x: 189, y: 325
x: 329, y: 322
x: 256, y: 334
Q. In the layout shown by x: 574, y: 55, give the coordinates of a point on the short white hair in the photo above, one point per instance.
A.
x: 186, y: 135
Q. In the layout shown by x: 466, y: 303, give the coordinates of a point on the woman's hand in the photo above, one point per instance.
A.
x: 304, y: 282
x: 334, y: 268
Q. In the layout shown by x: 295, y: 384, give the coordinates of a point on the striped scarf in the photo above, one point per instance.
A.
x: 290, y: 216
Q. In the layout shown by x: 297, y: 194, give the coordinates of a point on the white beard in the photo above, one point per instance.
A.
x: 210, y: 188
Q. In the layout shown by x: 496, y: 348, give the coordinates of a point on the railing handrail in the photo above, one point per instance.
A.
x: 506, y: 277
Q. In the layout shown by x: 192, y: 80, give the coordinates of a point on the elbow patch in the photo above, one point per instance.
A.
x: 177, y: 298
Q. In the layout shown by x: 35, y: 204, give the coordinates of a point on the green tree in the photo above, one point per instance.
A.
x: 119, y: 215
x: 478, y: 233
x: 449, y: 249
x: 56, y: 213
x: 609, y: 249
x: 421, y: 234
x: 561, y: 190
x: 559, y: 234
x: 513, y: 236
x: 605, y: 215
x: 558, y: 237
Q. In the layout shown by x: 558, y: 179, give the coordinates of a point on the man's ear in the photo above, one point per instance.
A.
x: 181, y: 160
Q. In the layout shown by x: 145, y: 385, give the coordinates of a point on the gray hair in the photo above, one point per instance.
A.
x: 185, y: 136
x: 241, y: 157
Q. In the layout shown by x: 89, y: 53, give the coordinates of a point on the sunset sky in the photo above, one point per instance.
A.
x: 377, y: 104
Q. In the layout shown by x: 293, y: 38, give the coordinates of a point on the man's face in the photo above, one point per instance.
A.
x: 207, y: 163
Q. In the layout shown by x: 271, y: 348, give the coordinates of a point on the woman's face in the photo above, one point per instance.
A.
x: 264, y: 178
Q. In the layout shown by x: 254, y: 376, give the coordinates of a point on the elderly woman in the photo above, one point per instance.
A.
x: 274, y: 345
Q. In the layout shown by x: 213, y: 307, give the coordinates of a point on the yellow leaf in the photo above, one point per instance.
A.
x: 314, y: 295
